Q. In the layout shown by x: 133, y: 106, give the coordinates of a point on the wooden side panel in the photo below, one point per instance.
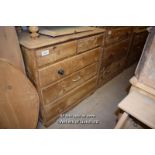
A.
x: 89, y: 43
x: 115, y: 35
x: 58, y: 89
x: 19, y: 102
x: 9, y: 47
x: 50, y: 74
x: 29, y: 60
x: 54, y: 53
x: 71, y: 98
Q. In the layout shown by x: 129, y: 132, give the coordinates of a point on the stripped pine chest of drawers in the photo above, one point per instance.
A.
x: 64, y: 69
x: 115, y: 50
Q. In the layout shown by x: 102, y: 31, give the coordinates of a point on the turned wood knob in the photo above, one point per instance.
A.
x: 34, y: 31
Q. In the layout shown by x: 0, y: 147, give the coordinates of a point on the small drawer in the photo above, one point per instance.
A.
x: 115, y: 52
x: 60, y: 88
x: 116, y: 35
x: 59, y: 70
x: 52, y: 54
x: 70, y: 99
x: 89, y: 43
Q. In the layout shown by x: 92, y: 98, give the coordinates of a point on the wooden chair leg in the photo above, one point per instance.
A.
x: 122, y: 120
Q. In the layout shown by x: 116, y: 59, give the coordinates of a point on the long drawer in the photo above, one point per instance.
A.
x: 115, y: 52
x: 59, y: 70
x: 54, y: 53
x: 115, y: 35
x: 60, y: 88
x: 69, y: 99
x: 89, y: 43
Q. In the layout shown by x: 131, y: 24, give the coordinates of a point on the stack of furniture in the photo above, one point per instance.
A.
x: 64, y: 69
x: 140, y: 103
x: 70, y: 65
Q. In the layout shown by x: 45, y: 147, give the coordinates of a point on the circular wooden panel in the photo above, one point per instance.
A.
x: 19, y: 101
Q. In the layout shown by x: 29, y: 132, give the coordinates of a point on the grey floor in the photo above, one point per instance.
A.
x: 98, y: 110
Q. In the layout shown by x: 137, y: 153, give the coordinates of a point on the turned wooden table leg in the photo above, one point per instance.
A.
x: 122, y: 120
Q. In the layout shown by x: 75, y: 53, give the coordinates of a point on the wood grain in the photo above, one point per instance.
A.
x: 19, y: 102
x: 42, y: 41
x: 54, y: 91
x: 9, y: 47
x: 89, y: 43
x: 69, y: 99
x: 64, y: 76
x: 55, y: 31
x: 56, y: 53
x: 140, y: 106
x: 115, y: 52
x: 50, y: 74
x: 116, y: 35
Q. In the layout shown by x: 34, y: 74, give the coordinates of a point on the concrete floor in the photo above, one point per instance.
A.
x: 98, y: 110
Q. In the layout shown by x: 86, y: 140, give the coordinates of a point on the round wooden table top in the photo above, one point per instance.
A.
x: 19, y: 101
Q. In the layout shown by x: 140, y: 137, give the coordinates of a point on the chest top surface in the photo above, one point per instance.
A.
x: 43, y: 40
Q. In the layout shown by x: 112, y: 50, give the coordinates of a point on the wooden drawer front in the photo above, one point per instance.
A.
x: 115, y: 35
x: 55, y: 53
x: 115, y: 52
x: 70, y: 99
x: 60, y: 88
x: 140, y: 38
x: 50, y: 74
x: 111, y: 71
x: 89, y: 43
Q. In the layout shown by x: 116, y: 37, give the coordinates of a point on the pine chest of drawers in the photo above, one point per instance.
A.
x: 115, y: 50
x: 63, y: 69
